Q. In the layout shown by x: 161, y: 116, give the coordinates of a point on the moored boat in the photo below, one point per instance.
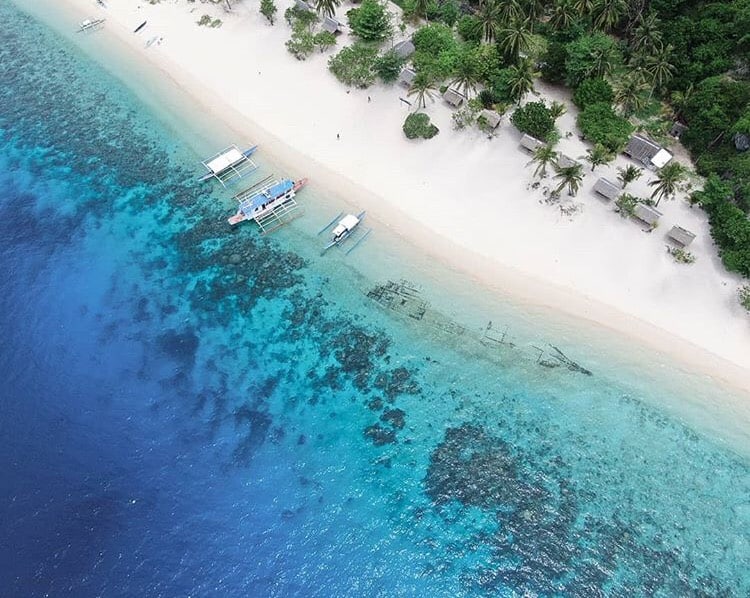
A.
x: 258, y: 204
x: 229, y: 164
x: 90, y: 24
x: 343, y: 230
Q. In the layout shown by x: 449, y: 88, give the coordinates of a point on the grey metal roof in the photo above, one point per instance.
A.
x: 404, y: 49
x: 564, y: 161
x: 647, y: 214
x: 682, y: 236
x: 641, y: 149
x: 301, y: 4
x: 607, y: 188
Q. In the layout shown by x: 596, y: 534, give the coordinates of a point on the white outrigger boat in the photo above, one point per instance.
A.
x: 229, y: 164
x: 344, y: 230
x: 90, y: 25
x: 269, y: 204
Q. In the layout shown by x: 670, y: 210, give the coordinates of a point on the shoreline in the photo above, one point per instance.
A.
x: 511, y: 283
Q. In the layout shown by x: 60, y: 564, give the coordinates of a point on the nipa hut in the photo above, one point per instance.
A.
x: 607, y: 189
x: 530, y: 143
x: 406, y: 78
x: 331, y: 25
x: 564, y: 161
x: 681, y: 236
x: 648, y: 153
x: 493, y: 118
x: 647, y: 214
x: 454, y: 97
x: 404, y: 49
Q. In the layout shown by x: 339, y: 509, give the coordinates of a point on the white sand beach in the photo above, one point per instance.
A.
x: 462, y: 197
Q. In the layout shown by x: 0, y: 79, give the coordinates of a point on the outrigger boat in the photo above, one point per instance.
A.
x: 345, y: 230
x: 269, y: 204
x: 229, y: 164
x: 90, y: 25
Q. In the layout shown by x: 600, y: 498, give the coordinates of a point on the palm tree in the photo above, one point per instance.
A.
x: 544, y: 155
x: 570, y: 176
x: 489, y: 17
x: 598, y: 155
x: 629, y: 93
x: 521, y: 79
x: 668, y: 181
x: 601, y: 63
x: 647, y: 35
x: 583, y: 7
x: 681, y: 99
x: 629, y: 174
x: 423, y: 88
x: 327, y: 7
x: 420, y: 8
x: 563, y: 15
x: 515, y: 39
x: 557, y: 109
x: 465, y: 73
x: 509, y: 11
x: 607, y: 13
x: 533, y: 10
x: 659, y: 66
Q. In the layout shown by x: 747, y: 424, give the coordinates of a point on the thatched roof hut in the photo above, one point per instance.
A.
x: 406, y: 78
x: 607, y: 188
x: 332, y: 25
x: 681, y: 236
x: 302, y: 5
x: 677, y: 129
x: 454, y: 97
x: 564, y: 161
x: 647, y: 152
x: 530, y: 143
x: 404, y: 49
x: 493, y: 118
x: 647, y: 214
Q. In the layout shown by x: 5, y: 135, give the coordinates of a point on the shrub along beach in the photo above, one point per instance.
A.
x: 587, y: 156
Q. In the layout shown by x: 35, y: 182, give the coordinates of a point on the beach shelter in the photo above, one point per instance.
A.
x: 647, y: 152
x: 564, y: 161
x: 454, y: 97
x: 661, y: 158
x: 302, y: 5
x: 332, y: 25
x: 493, y: 118
x: 647, y: 214
x: 406, y: 78
x: 681, y: 236
x: 404, y: 49
x: 607, y: 188
x: 530, y: 143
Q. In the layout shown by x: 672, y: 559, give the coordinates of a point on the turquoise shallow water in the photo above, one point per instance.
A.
x: 193, y: 410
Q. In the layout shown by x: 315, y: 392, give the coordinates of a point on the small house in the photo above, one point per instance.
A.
x: 564, y: 161
x: 491, y: 117
x: 454, y: 97
x: 681, y: 236
x: 404, y: 49
x: 302, y: 5
x: 531, y: 143
x: 406, y: 78
x: 607, y: 189
x: 331, y: 25
x: 647, y: 214
x: 677, y: 130
x: 648, y: 153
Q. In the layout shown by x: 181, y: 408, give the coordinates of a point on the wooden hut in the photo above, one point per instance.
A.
x: 677, y: 129
x: 531, y: 143
x: 648, y: 153
x: 647, y: 214
x: 681, y: 236
x: 332, y: 25
x: 404, y: 49
x: 454, y: 97
x: 607, y: 189
x: 564, y: 161
x: 302, y: 5
x: 493, y: 118
x: 406, y: 78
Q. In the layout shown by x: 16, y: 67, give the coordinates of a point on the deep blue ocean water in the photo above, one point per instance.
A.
x: 188, y: 410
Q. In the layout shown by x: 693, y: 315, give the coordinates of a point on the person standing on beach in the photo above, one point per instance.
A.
x: 338, y: 136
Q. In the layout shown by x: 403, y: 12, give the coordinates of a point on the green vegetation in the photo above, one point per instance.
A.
x: 388, y: 66
x: 327, y: 7
x: 743, y: 293
x: 600, y: 124
x: 207, y: 21
x: 370, y: 22
x: 681, y: 256
x: 355, y: 65
x: 302, y: 42
x: 535, y: 119
x: 570, y: 177
x: 268, y: 9
x: 324, y: 40
x: 626, y: 204
x: 593, y: 91
x: 628, y: 174
x: 298, y: 16
x: 418, y: 125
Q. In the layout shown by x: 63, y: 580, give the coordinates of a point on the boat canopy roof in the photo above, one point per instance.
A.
x: 346, y: 224
x: 265, y: 195
x: 224, y: 160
